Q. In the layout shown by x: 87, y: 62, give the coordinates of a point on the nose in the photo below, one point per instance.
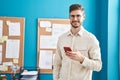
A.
x: 75, y: 18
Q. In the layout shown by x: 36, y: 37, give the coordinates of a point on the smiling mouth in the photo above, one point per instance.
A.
x: 74, y: 21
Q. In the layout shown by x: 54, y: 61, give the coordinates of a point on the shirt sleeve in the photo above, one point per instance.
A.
x: 57, y: 63
x: 94, y: 61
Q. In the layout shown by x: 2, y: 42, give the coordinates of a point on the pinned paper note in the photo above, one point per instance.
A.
x: 0, y: 54
x: 1, y: 67
x: 1, y: 28
x: 0, y: 48
x: 51, y: 42
x: 4, y: 38
x: 4, y: 68
x: 48, y: 29
x: 7, y: 22
x: 14, y: 28
x: 12, y: 48
x: 0, y: 57
x: 7, y: 63
x: 58, y: 29
x: 45, y: 59
x: 15, y: 60
x: 1, y: 40
x: 45, y: 24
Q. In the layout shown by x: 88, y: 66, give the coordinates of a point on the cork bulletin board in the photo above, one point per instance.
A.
x: 11, y: 43
x: 48, y: 32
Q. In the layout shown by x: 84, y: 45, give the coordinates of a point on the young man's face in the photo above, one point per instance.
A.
x: 76, y: 18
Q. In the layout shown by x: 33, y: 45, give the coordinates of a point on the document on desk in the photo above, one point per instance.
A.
x: 45, y: 59
x: 30, y: 73
x: 12, y: 48
x: 27, y: 77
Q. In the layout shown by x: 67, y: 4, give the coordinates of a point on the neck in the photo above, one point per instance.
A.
x: 75, y: 30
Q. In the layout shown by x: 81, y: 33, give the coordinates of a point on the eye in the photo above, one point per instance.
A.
x: 72, y: 16
x: 78, y: 15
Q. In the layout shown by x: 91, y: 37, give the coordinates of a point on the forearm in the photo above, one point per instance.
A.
x: 92, y: 64
x: 93, y: 60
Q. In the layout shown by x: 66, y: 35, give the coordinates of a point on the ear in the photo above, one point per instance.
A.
x: 83, y: 18
x: 83, y: 15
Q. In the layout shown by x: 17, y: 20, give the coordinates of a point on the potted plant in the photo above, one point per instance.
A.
x: 0, y: 75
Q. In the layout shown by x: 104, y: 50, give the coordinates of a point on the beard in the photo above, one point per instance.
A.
x: 75, y: 24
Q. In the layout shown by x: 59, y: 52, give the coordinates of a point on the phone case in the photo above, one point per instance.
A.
x: 67, y: 49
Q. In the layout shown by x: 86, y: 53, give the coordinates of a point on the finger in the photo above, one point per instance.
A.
x: 68, y: 54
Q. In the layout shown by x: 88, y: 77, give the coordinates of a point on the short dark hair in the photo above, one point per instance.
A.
x: 76, y: 7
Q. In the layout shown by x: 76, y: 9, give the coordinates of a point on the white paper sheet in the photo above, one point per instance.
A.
x: 1, y: 28
x: 48, y: 29
x: 58, y: 29
x: 0, y: 54
x: 7, y: 63
x: 49, y: 42
x: 0, y: 48
x: 1, y: 67
x: 0, y: 57
x: 29, y: 77
x: 14, y: 28
x: 30, y: 73
x: 12, y: 48
x: 45, y: 24
x: 45, y: 59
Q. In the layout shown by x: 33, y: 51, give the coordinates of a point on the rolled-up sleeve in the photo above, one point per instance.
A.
x: 93, y: 62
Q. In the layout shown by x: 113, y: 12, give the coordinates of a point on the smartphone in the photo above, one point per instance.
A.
x: 67, y: 49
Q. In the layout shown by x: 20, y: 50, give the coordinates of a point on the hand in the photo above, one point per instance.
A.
x: 75, y: 56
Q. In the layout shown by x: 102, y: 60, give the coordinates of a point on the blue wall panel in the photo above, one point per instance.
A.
x: 113, y: 54
x: 96, y: 22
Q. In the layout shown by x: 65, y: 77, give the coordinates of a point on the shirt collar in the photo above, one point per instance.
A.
x: 80, y: 33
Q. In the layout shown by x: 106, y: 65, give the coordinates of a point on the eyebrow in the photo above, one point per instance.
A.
x: 75, y: 15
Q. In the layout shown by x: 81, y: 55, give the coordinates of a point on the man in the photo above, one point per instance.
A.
x: 85, y: 56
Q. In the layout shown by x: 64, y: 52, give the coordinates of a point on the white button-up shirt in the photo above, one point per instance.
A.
x: 68, y: 69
